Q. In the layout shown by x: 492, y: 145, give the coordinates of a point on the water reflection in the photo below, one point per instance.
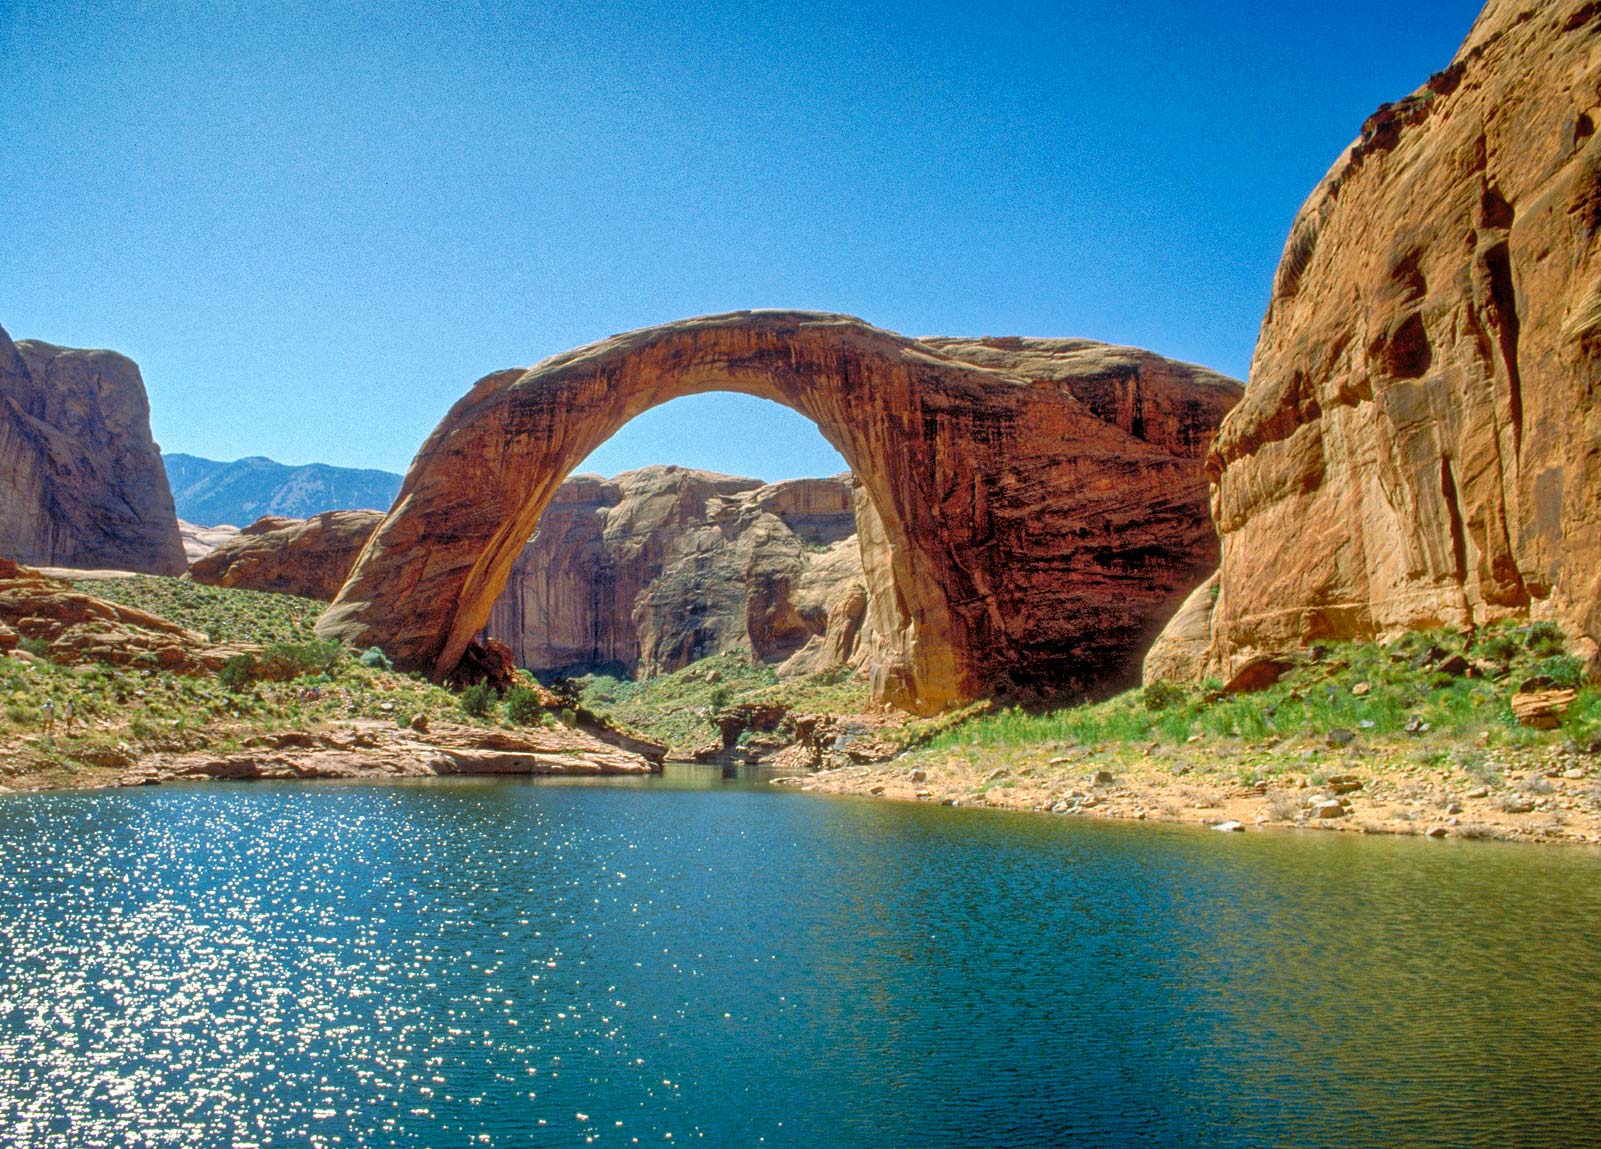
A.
x: 612, y: 961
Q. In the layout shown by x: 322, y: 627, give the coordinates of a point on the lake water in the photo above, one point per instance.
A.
x: 682, y: 961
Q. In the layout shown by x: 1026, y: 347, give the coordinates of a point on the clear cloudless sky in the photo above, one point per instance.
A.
x: 314, y: 225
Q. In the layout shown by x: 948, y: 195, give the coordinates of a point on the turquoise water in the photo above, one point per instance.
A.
x: 672, y: 962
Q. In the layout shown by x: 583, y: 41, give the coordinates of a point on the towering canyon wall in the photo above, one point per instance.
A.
x: 662, y: 566
x: 1418, y: 442
x: 81, y: 481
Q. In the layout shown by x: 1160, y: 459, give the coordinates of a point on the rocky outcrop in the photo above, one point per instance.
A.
x: 1417, y: 443
x: 369, y: 749
x: 309, y: 557
x: 78, y: 628
x: 81, y: 481
x: 198, y: 541
x: 1041, y: 502
x: 659, y: 567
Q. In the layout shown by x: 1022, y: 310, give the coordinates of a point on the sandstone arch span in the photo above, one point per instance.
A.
x: 1041, y: 502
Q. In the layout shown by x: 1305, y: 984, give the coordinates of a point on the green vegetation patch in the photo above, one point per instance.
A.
x: 1442, y: 683
x: 677, y: 708
x: 223, y: 614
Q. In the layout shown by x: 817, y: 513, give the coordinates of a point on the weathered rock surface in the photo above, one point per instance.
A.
x: 659, y: 567
x: 198, y: 541
x: 366, y: 749
x: 81, y: 628
x: 1041, y: 502
x: 81, y: 481
x: 1417, y: 442
x: 309, y: 557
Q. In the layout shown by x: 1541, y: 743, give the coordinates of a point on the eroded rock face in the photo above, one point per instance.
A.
x: 1417, y: 443
x: 309, y: 557
x: 80, y: 628
x: 198, y: 541
x: 1035, y: 539
x: 81, y: 481
x: 659, y: 567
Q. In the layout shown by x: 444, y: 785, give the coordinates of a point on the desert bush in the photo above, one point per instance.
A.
x: 1160, y: 695
x: 522, y: 706
x: 1562, y: 669
x: 283, y: 660
x: 373, y: 658
x: 238, y: 671
x: 1544, y: 638
x: 477, y: 701
x: 37, y: 647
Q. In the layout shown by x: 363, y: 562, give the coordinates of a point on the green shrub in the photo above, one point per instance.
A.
x: 281, y: 660
x: 478, y: 700
x: 237, y: 672
x: 569, y: 716
x: 522, y: 706
x: 1499, y: 646
x: 1161, y: 695
x: 373, y: 658
x: 1544, y: 638
x: 37, y: 647
x: 1562, y: 669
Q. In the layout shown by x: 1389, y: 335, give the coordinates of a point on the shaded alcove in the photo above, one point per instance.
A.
x: 1041, y: 502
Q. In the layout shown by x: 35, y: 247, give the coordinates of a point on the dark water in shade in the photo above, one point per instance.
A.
x: 513, y: 964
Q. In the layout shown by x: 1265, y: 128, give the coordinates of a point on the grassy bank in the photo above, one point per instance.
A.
x: 296, y: 683
x: 677, y: 708
x: 1434, y: 688
x: 1418, y: 736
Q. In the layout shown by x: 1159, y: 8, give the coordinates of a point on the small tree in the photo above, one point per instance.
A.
x: 237, y: 672
x: 478, y: 700
x: 522, y: 706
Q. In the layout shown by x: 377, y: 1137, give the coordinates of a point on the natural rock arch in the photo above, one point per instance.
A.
x: 1041, y: 502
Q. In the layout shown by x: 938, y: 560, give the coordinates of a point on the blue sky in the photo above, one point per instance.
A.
x: 315, y: 225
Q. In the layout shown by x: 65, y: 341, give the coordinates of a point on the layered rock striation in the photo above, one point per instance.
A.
x: 659, y: 567
x: 1417, y: 444
x: 75, y: 628
x: 1041, y: 502
x: 309, y: 557
x: 81, y: 481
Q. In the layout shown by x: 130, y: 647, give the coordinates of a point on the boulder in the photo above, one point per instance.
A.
x: 308, y: 557
x: 81, y: 481
x: 1415, y: 444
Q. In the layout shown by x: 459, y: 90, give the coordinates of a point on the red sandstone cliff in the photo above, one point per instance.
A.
x: 1417, y: 443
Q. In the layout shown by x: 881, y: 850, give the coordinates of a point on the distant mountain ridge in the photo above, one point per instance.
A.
x: 211, y: 493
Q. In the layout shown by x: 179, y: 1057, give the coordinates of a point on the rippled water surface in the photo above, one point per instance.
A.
x: 508, y: 964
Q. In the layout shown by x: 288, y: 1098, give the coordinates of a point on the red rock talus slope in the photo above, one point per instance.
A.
x: 659, y: 567
x: 80, y: 628
x: 1036, y: 538
x: 1417, y: 442
x: 309, y: 557
x: 81, y: 481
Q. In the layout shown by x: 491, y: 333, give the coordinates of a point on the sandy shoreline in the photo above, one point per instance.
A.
x: 1546, y: 795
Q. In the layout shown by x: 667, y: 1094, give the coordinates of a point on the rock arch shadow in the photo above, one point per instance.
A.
x: 1041, y: 503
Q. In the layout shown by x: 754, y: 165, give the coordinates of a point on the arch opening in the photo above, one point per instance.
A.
x: 1039, y: 504
x: 663, y: 564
